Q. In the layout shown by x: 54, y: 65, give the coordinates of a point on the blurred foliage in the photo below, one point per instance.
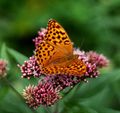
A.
x: 91, y: 25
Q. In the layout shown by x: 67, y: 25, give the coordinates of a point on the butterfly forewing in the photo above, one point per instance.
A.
x: 57, y: 36
x: 44, y: 52
x: 56, y: 44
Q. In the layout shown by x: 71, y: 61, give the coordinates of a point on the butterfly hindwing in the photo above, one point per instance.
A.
x: 74, y: 67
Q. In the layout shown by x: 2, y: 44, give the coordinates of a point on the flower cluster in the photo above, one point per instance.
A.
x: 3, y: 68
x: 47, y: 92
x: 43, y: 94
x: 30, y: 68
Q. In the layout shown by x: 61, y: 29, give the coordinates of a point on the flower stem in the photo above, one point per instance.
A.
x: 74, y: 86
x: 17, y: 93
x: 46, y: 109
x: 56, y: 108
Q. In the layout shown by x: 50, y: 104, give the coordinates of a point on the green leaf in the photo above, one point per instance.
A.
x: 115, y: 87
x: 14, y: 104
x: 78, y: 109
x: 108, y: 110
x: 3, y: 54
x: 94, y: 86
x: 20, y: 58
x: 3, y: 92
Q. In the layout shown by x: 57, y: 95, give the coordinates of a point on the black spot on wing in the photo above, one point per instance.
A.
x: 66, y: 42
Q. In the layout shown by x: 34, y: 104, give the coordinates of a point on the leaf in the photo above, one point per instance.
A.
x: 108, y: 110
x: 94, y: 86
x: 14, y: 104
x: 115, y: 87
x: 3, y: 54
x: 3, y: 92
x: 103, y: 98
x: 20, y: 58
x: 78, y: 109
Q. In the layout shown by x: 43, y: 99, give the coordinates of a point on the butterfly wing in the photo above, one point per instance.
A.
x: 57, y: 36
x: 56, y: 45
x: 43, y: 53
x: 75, y: 67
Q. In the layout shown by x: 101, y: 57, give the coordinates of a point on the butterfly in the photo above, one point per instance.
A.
x: 55, y: 55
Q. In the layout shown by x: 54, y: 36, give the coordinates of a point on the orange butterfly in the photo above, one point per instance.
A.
x: 55, y: 55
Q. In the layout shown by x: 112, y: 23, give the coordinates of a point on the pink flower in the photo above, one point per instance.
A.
x: 98, y: 59
x: 40, y: 37
x: 93, y: 61
x: 43, y: 94
x: 30, y: 68
x: 3, y: 68
x: 28, y: 96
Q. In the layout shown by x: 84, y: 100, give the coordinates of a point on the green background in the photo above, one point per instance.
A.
x: 90, y: 24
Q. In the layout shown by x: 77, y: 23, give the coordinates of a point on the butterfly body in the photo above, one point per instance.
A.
x: 55, y: 53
